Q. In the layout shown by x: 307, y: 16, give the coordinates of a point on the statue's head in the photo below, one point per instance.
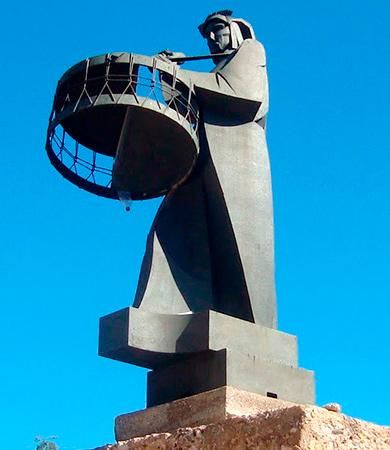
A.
x: 223, y: 32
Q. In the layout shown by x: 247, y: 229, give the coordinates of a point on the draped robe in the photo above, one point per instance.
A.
x: 211, y: 243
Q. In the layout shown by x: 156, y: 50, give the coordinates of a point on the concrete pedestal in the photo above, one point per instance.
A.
x: 195, y: 353
x: 211, y: 370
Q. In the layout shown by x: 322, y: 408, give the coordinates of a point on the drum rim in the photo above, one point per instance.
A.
x: 152, y: 62
x: 128, y: 97
x: 128, y: 100
x: 104, y: 100
x: 99, y: 189
x: 77, y: 180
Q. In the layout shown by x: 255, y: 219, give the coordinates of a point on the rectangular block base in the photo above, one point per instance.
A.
x: 153, y: 340
x: 211, y: 370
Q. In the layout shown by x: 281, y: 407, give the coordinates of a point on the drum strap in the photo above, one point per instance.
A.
x: 84, y: 91
x: 174, y: 77
x: 154, y: 70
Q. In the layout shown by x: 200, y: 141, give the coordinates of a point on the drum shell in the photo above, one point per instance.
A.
x: 98, y: 101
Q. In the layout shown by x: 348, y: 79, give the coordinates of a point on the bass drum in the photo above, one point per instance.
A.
x: 135, y: 112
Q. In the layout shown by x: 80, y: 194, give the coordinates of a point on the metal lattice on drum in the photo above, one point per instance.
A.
x: 124, y: 122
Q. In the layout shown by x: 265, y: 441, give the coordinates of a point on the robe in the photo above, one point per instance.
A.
x: 211, y: 243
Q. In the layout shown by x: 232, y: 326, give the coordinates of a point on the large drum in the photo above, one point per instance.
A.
x: 124, y: 122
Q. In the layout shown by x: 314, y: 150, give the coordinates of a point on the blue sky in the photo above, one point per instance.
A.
x: 68, y: 257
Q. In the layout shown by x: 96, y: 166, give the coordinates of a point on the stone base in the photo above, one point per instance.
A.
x: 208, y: 407
x: 230, y: 419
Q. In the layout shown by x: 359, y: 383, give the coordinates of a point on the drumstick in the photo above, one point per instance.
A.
x: 182, y: 59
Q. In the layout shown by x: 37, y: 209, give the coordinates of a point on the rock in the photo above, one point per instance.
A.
x: 334, y: 407
x: 272, y: 425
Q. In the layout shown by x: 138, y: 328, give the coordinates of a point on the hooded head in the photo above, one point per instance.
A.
x: 223, y: 32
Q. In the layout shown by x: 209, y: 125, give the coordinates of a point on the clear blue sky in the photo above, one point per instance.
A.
x: 68, y: 257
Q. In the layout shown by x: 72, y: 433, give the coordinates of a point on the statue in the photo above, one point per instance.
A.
x: 211, y: 244
x: 204, y: 311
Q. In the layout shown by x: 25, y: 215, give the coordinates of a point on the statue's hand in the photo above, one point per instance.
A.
x: 168, y: 55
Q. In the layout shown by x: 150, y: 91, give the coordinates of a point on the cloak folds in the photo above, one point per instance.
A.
x: 211, y: 243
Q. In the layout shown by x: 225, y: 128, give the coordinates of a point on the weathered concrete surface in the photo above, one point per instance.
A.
x: 271, y: 425
x: 205, y: 351
x: 205, y: 408
x: 152, y: 340
x: 211, y: 243
x: 246, y: 372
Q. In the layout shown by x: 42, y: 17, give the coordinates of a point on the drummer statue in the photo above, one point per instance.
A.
x: 211, y: 244
x: 204, y: 313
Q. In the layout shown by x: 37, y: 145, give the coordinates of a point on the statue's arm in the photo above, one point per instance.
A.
x: 243, y: 77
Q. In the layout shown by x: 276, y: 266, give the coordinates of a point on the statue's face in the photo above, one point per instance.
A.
x: 218, y: 37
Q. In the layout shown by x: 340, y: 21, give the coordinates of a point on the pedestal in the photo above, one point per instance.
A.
x: 209, y: 407
x: 199, y: 352
x: 231, y: 419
